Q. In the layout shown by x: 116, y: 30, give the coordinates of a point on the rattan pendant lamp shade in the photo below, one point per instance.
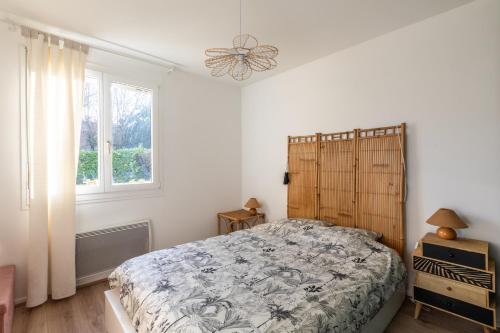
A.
x: 447, y: 220
x: 240, y: 61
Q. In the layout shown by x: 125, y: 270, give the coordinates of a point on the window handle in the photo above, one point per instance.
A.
x: 109, y: 146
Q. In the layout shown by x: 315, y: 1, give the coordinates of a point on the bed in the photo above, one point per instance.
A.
x: 292, y: 275
x: 300, y: 274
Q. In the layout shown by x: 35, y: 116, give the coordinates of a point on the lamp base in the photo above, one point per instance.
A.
x: 252, y: 211
x: 446, y: 233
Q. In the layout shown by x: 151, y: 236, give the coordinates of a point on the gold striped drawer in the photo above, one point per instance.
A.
x: 475, y: 277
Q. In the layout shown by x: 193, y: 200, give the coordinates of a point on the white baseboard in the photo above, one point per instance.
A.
x: 79, y: 282
x: 93, y: 277
x: 20, y: 300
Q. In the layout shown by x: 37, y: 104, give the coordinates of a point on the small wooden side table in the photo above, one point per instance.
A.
x: 238, y: 219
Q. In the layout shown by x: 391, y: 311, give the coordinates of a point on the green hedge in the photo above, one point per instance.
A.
x: 87, y: 167
x: 129, y: 165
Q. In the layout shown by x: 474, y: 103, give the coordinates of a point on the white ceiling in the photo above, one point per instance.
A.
x: 181, y: 30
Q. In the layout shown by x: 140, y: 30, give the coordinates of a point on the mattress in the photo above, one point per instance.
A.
x: 288, y: 276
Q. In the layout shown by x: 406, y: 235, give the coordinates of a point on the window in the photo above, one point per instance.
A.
x: 88, y: 164
x: 118, y: 145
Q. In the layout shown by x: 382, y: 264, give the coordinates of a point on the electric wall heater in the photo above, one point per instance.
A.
x: 98, y: 252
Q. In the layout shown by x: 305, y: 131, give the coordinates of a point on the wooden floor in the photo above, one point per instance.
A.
x: 84, y: 313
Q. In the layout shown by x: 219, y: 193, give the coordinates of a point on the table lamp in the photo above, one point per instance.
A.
x: 253, y: 204
x: 447, y: 220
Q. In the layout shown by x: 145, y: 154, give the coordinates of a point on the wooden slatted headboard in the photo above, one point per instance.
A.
x: 354, y: 179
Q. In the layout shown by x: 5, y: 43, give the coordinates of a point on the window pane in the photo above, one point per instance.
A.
x: 131, y: 120
x: 88, y: 164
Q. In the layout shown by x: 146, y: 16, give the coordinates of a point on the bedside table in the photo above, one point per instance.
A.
x: 238, y: 219
x: 455, y: 276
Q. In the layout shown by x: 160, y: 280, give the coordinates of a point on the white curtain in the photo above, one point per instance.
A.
x: 56, y: 75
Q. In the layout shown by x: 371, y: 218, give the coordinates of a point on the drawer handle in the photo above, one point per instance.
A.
x: 451, y: 255
x: 449, y: 304
x: 448, y: 288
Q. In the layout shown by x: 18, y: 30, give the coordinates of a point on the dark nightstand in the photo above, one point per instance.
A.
x: 455, y: 276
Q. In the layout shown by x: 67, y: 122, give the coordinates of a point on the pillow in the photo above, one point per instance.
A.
x: 375, y: 235
x: 292, y: 223
x: 302, y: 222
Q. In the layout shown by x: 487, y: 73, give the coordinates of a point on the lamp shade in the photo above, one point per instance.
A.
x: 252, y: 203
x: 444, y: 217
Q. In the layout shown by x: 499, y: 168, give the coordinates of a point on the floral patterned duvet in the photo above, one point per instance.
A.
x: 286, y: 276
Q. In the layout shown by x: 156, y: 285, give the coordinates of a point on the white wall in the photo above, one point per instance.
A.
x: 441, y: 76
x: 13, y: 221
x: 199, y: 150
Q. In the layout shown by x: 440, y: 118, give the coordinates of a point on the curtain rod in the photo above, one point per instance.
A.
x: 92, y: 42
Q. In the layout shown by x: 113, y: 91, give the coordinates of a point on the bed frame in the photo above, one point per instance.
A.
x: 353, y: 179
x: 116, y: 318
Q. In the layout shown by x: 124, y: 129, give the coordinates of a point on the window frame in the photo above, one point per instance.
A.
x: 100, y: 188
x: 106, y: 190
